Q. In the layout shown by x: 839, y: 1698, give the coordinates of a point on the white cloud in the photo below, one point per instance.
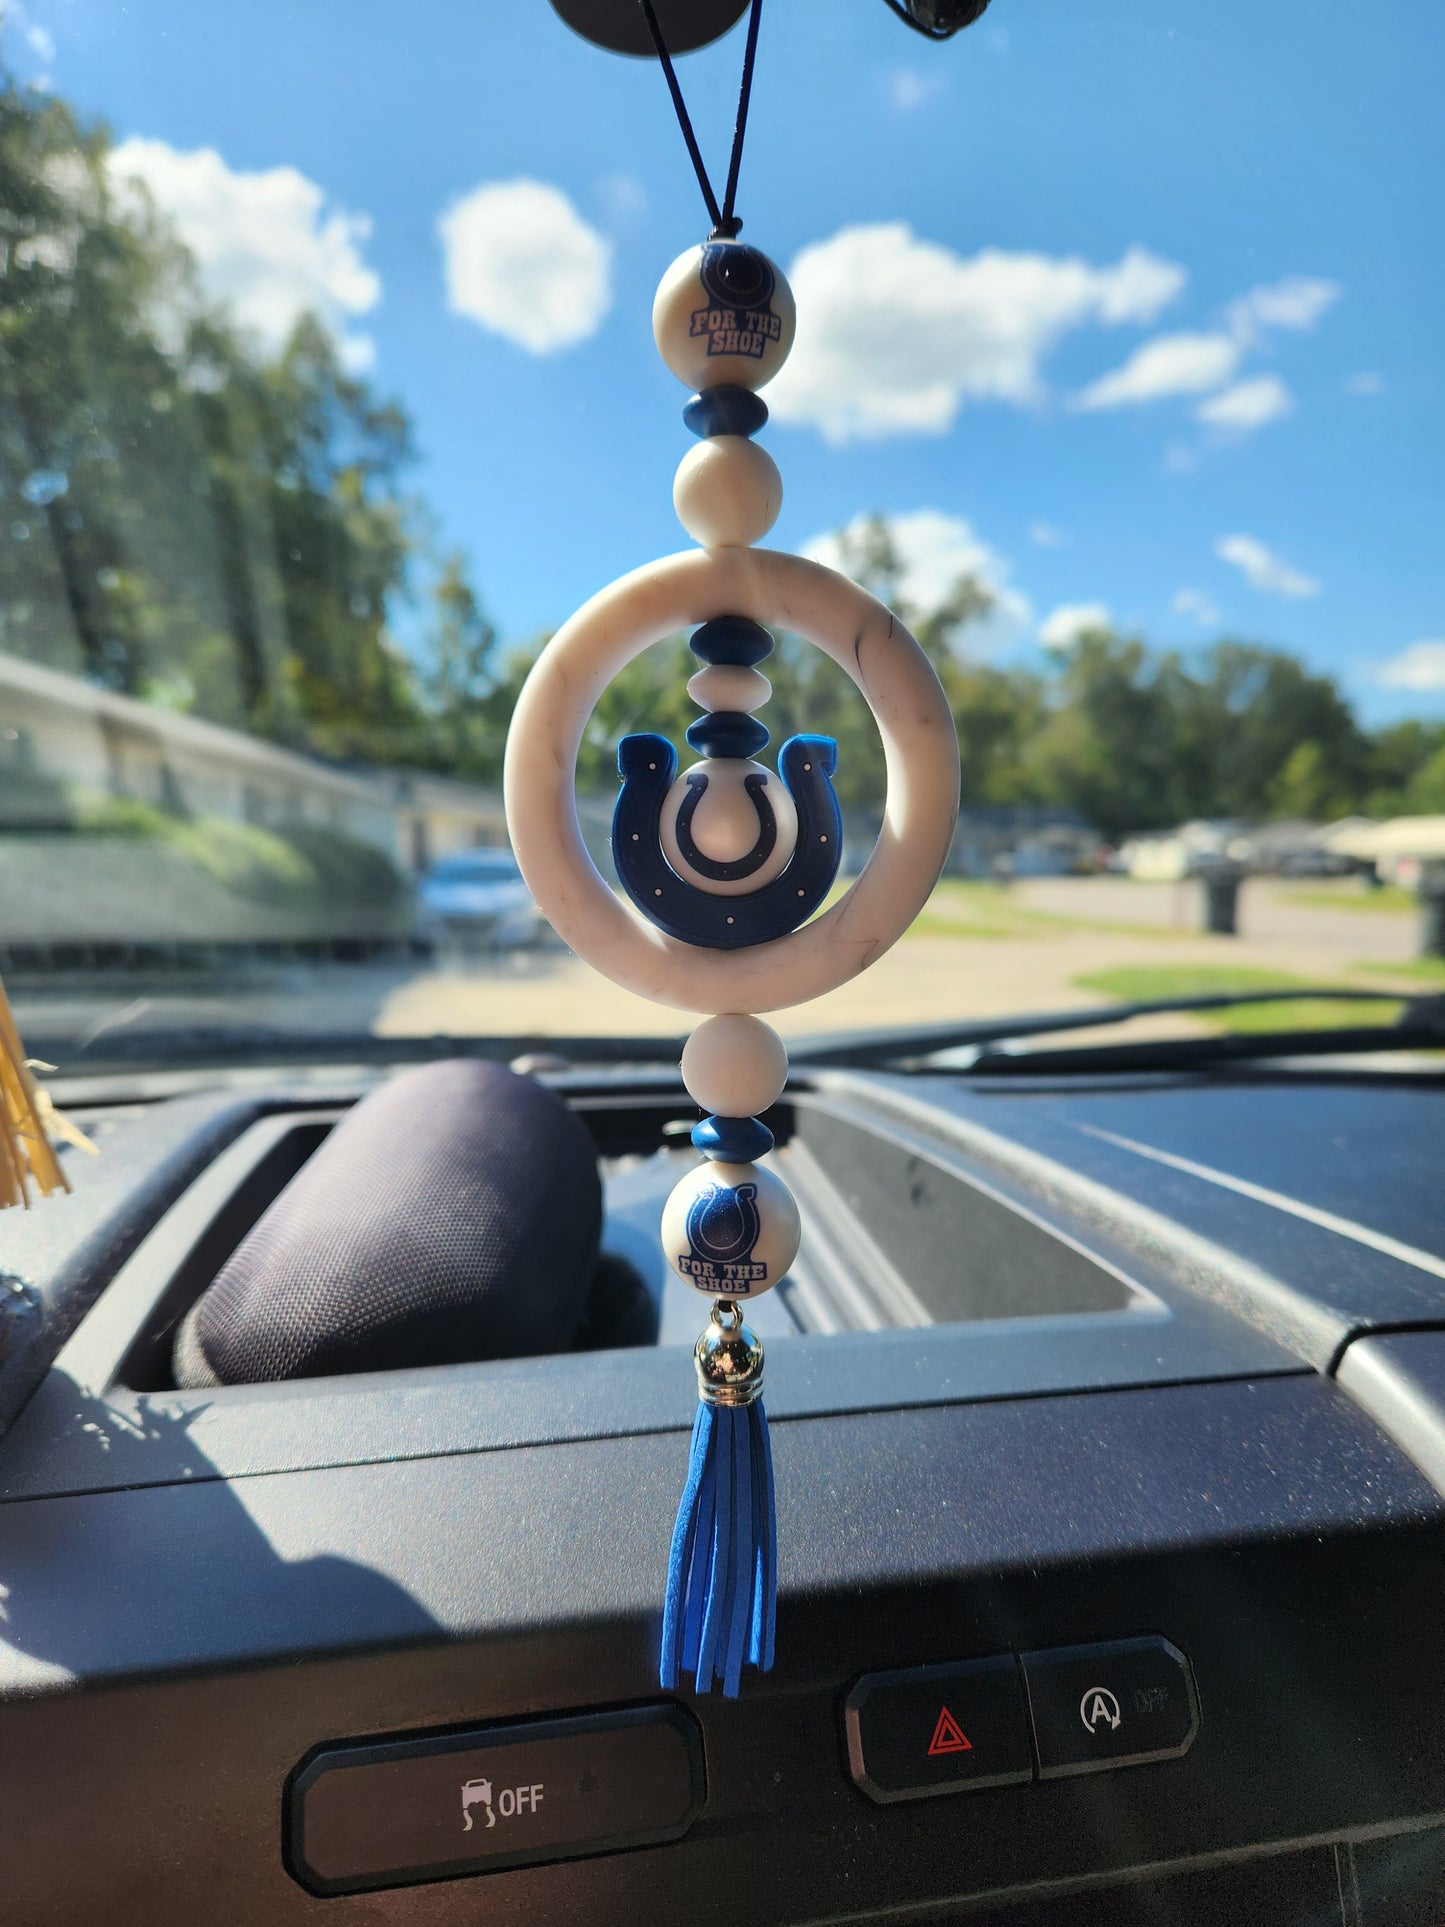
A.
x: 1062, y: 628
x: 1197, y: 364
x: 521, y: 261
x: 1194, y: 602
x: 1421, y: 666
x: 16, y: 21
x: 1247, y: 405
x: 40, y: 40
x: 1183, y: 364
x: 895, y: 334
x: 1366, y: 382
x: 908, y: 89
x: 1046, y: 536
x: 1262, y: 569
x: 623, y: 196
x: 266, y: 243
x: 358, y: 354
x: 1296, y: 302
x: 934, y: 551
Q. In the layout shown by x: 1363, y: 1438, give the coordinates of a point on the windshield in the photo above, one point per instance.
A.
x: 328, y: 391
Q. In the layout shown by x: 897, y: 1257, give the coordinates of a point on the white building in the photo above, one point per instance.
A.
x: 93, y: 740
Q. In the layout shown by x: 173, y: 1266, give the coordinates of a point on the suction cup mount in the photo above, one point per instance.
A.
x: 619, y: 26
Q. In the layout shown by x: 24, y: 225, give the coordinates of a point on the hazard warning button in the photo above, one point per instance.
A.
x: 938, y: 1729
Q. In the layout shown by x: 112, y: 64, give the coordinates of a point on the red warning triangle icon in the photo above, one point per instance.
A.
x: 948, y: 1736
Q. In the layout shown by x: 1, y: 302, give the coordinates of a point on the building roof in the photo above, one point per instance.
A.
x: 1420, y: 836
x: 234, y: 749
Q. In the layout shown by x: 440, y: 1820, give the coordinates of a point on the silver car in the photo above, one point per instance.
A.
x: 476, y: 900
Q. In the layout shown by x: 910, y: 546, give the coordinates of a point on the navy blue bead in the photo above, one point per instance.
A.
x: 725, y: 411
x: 736, y: 1140
x: 732, y: 639
x: 727, y: 732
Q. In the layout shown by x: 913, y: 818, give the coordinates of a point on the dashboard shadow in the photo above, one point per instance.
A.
x: 152, y: 1576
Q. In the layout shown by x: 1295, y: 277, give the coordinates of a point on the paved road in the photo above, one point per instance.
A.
x: 1268, y: 912
x: 924, y: 980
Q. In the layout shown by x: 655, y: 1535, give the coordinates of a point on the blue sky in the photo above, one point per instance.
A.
x: 1132, y: 306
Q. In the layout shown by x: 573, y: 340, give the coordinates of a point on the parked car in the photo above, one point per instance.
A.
x: 476, y: 899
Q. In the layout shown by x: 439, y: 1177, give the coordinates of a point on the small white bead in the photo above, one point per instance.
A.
x: 729, y: 685
x: 734, y: 1066
x: 725, y: 824
x: 710, y: 340
x: 727, y: 492
x: 730, y: 1262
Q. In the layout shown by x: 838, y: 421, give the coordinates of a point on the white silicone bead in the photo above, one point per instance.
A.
x: 728, y: 685
x: 734, y: 1066
x: 727, y: 492
x: 708, y: 341
x: 725, y: 824
x: 723, y: 1259
x: 920, y: 748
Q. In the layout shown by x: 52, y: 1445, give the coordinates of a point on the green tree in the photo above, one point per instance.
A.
x: 1425, y: 795
x: 189, y: 517
x: 464, y: 690
x: 1400, y: 755
x: 1107, y: 744
x: 84, y: 385
x: 1306, y: 786
x: 1244, y: 714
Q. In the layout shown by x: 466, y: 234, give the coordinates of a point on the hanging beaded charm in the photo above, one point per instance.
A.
x: 726, y: 866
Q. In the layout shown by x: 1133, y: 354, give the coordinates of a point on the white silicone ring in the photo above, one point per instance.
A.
x: 920, y: 752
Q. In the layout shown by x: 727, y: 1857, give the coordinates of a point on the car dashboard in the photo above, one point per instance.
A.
x: 1108, y: 1417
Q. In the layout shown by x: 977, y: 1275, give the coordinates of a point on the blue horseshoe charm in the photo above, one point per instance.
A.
x: 648, y: 765
x: 723, y: 1224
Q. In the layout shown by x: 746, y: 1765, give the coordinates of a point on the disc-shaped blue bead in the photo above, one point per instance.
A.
x: 732, y: 639
x: 735, y: 1140
x: 725, y: 411
x: 727, y: 732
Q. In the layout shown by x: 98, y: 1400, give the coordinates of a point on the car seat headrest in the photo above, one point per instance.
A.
x: 454, y: 1214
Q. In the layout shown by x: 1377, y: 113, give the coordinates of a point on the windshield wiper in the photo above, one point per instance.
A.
x: 981, y: 1047
x: 243, y: 1046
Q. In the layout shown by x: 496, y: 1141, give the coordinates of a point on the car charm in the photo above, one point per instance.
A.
x: 728, y: 867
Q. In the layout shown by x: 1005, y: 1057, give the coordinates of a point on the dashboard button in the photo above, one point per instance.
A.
x: 938, y: 1729
x: 1110, y: 1705
x: 501, y: 1796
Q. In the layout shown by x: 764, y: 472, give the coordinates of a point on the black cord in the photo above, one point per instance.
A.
x: 725, y: 223
x: 740, y: 125
x: 682, y: 115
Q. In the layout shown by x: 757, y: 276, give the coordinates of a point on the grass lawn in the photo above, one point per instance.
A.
x: 959, y: 908
x: 1426, y: 970
x: 1142, y: 982
x: 1392, y: 901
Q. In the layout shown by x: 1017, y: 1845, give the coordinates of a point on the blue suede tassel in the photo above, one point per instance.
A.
x: 722, y: 1577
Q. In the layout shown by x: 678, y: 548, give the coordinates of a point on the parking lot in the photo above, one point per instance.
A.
x: 978, y: 951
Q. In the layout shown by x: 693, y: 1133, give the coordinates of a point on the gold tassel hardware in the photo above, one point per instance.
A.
x: 28, y: 1121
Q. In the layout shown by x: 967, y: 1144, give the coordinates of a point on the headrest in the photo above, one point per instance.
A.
x: 453, y: 1214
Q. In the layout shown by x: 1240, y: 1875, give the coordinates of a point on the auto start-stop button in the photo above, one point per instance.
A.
x: 438, y: 1805
x: 1118, y: 1703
